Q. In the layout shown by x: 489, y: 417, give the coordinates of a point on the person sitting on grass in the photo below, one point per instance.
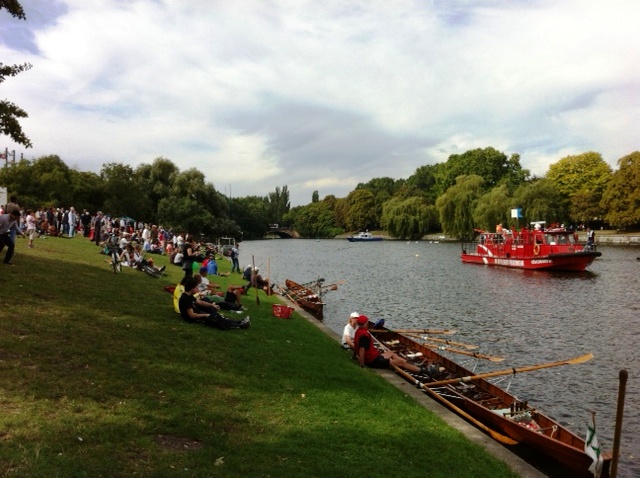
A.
x: 208, y: 292
x: 193, y: 309
x: 368, y: 354
x: 349, y: 332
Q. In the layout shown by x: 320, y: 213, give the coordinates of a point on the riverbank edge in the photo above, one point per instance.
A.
x: 517, y: 464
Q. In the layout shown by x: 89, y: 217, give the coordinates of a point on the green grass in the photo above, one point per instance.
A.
x: 100, y: 378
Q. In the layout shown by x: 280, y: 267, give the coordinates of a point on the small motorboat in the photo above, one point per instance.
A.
x: 364, y: 237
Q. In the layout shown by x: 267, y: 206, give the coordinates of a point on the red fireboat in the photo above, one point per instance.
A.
x: 554, y: 248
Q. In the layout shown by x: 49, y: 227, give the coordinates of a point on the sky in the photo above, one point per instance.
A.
x: 322, y: 95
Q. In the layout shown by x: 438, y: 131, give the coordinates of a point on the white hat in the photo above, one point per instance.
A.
x: 354, y: 315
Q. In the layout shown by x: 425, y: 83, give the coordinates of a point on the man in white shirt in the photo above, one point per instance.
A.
x: 350, y: 331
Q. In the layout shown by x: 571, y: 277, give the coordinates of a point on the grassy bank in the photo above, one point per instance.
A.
x: 100, y: 378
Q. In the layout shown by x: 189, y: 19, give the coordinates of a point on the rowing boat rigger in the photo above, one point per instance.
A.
x: 491, y: 408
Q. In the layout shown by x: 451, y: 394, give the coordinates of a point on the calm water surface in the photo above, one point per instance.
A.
x: 529, y: 317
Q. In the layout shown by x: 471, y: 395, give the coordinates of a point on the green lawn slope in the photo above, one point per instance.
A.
x: 99, y: 377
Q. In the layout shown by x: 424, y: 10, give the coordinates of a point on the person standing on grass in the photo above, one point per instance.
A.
x: 235, y: 262
x: 13, y: 205
x: 7, y: 223
x: 31, y: 226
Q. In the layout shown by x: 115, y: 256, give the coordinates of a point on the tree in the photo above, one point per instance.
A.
x: 583, y: 179
x: 409, y: 218
x: 315, y: 220
x: 622, y: 196
x: 456, y: 206
x: 423, y: 182
x: 315, y: 197
x: 493, y: 208
x: 540, y: 200
x: 119, y: 189
x: 490, y: 164
x: 9, y: 112
x: 278, y: 204
x: 361, y: 214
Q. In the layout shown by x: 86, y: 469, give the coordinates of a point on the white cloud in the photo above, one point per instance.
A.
x: 323, y: 95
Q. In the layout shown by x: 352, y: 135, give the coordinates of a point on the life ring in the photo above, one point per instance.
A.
x: 536, y: 249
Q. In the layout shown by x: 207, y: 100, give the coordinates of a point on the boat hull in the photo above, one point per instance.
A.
x: 494, y: 408
x: 305, y: 298
x: 364, y: 239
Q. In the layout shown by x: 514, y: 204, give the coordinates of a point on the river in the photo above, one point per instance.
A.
x: 530, y: 317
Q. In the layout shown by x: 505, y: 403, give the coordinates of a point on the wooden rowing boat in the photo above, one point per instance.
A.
x: 492, y: 408
x: 304, y: 297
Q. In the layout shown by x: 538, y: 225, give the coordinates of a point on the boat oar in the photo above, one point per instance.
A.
x: 477, y: 355
x: 442, y: 341
x: 424, y: 331
x: 254, y: 279
x: 448, y: 403
x: 581, y: 359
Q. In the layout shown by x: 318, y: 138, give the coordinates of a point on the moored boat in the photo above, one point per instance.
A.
x: 491, y: 408
x: 305, y: 298
x: 364, y: 237
x: 555, y: 248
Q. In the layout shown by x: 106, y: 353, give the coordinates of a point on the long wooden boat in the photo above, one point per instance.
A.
x: 305, y: 298
x: 491, y: 408
x: 553, y: 249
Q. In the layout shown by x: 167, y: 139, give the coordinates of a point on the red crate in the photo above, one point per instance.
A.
x: 282, y: 311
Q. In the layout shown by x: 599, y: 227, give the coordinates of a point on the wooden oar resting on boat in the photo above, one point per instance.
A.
x: 492, y: 408
x: 420, y: 331
x: 581, y: 359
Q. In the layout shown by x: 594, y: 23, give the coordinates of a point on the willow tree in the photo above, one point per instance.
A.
x: 457, y: 204
x: 409, y: 218
x: 493, y: 208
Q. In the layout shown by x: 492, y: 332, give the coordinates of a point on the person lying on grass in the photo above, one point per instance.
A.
x: 193, y: 309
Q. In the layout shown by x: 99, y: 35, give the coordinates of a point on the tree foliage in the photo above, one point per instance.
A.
x: 361, y: 214
x: 10, y: 113
x: 490, y: 164
x: 409, y: 218
x: 583, y: 179
x: 278, y: 204
x: 622, y: 197
x: 456, y: 206
x: 493, y: 208
x: 540, y: 200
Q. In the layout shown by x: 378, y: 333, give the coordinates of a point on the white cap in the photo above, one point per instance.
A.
x: 354, y: 315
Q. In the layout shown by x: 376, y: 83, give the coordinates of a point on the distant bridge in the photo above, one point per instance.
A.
x: 284, y: 232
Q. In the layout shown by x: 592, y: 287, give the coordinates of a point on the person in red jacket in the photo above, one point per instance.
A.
x: 368, y: 354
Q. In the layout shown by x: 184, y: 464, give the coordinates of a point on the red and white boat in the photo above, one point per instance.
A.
x: 554, y: 248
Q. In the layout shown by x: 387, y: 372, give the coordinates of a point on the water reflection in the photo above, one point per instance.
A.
x: 529, y: 317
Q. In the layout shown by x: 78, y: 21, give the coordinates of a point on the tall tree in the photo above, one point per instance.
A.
x: 10, y: 112
x: 622, y: 196
x: 278, y: 204
x: 315, y: 197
